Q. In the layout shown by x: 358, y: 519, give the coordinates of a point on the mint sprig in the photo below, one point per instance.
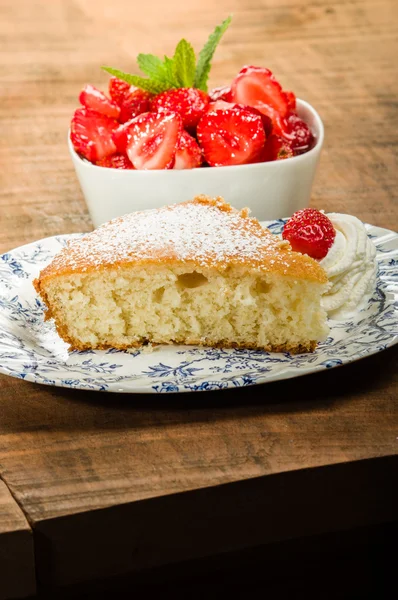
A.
x: 180, y: 71
x: 206, y: 54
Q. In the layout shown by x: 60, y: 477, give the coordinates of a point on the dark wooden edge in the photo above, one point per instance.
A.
x: 150, y: 533
x: 354, y: 564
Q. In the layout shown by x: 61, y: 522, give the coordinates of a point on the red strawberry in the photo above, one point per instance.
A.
x: 310, y: 232
x: 221, y: 93
x: 133, y: 103
x: 230, y: 137
x: 222, y: 105
x: 152, y: 139
x: 120, y: 136
x: 275, y: 148
x: 189, y: 103
x: 291, y: 100
x: 256, y: 86
x: 116, y: 161
x: 188, y: 154
x: 299, y: 134
x: 94, y: 99
x: 91, y: 134
x: 266, y: 121
x: 118, y: 89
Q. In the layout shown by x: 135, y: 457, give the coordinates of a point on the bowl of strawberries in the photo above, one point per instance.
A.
x: 165, y: 138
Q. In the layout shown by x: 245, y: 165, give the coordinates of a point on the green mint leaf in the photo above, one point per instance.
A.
x: 150, y: 65
x: 206, y: 54
x: 184, y: 62
x: 149, y: 85
x: 168, y: 66
x: 157, y: 70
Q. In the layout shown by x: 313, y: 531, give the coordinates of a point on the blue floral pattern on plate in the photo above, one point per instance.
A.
x: 30, y: 348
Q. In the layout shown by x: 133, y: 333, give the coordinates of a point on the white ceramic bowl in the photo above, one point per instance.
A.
x: 271, y: 190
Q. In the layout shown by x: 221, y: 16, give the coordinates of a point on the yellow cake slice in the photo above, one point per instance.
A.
x: 199, y: 272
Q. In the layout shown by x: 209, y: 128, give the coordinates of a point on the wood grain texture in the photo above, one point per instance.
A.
x: 74, y: 459
x: 17, y: 567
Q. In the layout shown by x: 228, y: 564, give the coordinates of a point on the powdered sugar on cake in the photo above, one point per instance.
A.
x: 207, y: 232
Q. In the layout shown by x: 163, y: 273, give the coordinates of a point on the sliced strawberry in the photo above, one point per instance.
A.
x: 94, y: 99
x: 152, y: 139
x: 222, y: 105
x: 299, y: 134
x: 133, y: 103
x: 256, y: 86
x: 116, y: 161
x: 311, y: 232
x: 230, y: 137
x: 118, y: 89
x: 91, y: 134
x: 120, y: 136
x: 267, y: 122
x: 189, y: 103
x: 188, y: 154
x: 221, y: 93
x: 291, y: 100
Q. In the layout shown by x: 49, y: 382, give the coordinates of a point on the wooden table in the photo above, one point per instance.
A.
x: 98, y: 486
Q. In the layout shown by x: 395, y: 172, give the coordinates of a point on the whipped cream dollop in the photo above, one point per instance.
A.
x: 351, y: 267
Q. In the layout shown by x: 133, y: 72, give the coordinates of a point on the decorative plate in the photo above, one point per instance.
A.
x: 30, y: 349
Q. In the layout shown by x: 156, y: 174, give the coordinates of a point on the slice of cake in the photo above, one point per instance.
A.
x: 199, y: 272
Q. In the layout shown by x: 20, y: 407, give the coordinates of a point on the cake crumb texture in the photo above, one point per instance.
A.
x: 194, y: 273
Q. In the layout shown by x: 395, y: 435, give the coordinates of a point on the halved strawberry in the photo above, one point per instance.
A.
x: 94, y: 99
x: 256, y: 86
x: 91, y: 134
x: 188, y: 154
x: 222, y: 105
x: 310, y: 231
x: 120, y: 136
x: 118, y: 89
x: 230, y: 137
x: 152, y: 139
x: 220, y: 93
x: 275, y: 148
x: 134, y: 103
x: 116, y: 161
x: 189, y: 103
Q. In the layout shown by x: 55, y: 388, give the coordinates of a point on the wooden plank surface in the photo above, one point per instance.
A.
x: 17, y: 567
x: 76, y: 460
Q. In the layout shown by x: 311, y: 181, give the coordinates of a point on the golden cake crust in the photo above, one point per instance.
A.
x: 206, y: 232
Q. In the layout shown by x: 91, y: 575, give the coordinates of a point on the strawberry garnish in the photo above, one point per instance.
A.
x: 311, y: 232
x: 116, y: 161
x: 189, y: 103
x: 188, y: 154
x: 133, y: 103
x: 118, y: 89
x: 94, y: 99
x: 221, y: 93
x: 91, y: 134
x: 230, y: 137
x: 152, y: 139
